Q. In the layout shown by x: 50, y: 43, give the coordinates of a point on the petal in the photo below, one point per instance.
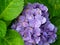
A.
x: 37, y: 23
x: 41, y: 43
x: 38, y: 12
x: 31, y: 23
x: 29, y: 29
x: 36, y: 5
x: 43, y: 20
x: 50, y: 41
x: 27, y: 43
x: 51, y: 27
x: 27, y: 35
x: 24, y: 24
x: 29, y: 17
x: 45, y: 34
x: 43, y: 8
x: 38, y: 17
x: 21, y: 18
x: 31, y: 41
x: 37, y: 40
x: 46, y: 43
x: 37, y: 32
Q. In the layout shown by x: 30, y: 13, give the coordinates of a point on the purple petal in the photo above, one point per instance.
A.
x: 37, y: 40
x: 51, y: 27
x: 37, y: 32
x: 21, y: 18
x: 46, y: 43
x: 43, y: 20
x: 27, y: 43
x: 37, y: 23
x: 41, y: 43
x: 24, y: 24
x: 43, y: 8
x: 38, y: 12
x: 31, y: 23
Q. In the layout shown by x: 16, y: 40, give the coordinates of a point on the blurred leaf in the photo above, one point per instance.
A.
x: 35, y: 1
x: 10, y: 9
x: 2, y: 29
x: 12, y: 38
x: 55, y: 7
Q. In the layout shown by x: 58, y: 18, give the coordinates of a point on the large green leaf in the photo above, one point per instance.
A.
x: 10, y: 9
x: 12, y: 38
x: 55, y: 7
x: 4, y: 4
x: 2, y: 29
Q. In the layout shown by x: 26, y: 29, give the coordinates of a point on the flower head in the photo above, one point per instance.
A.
x: 34, y: 25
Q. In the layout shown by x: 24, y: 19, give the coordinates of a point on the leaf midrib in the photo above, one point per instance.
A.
x: 7, y: 41
x: 6, y: 8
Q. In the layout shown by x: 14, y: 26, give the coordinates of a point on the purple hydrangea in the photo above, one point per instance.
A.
x: 34, y: 25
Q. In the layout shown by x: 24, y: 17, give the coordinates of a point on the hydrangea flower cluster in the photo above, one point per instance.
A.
x: 34, y: 25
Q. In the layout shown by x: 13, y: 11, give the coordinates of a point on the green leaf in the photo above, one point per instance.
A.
x: 55, y: 7
x: 4, y: 4
x: 11, y: 9
x: 2, y: 29
x: 35, y: 1
x: 12, y: 38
